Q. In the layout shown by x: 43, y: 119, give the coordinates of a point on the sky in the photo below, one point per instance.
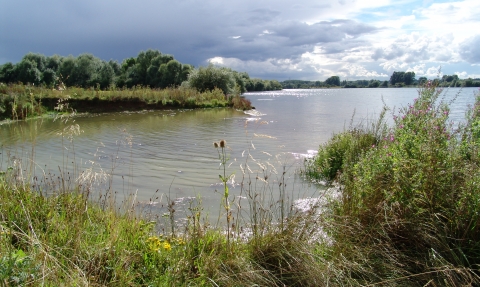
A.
x: 302, y: 40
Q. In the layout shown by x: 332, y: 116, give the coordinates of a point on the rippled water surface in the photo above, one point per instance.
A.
x: 172, y: 151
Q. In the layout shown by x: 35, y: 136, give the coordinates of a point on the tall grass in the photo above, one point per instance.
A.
x: 69, y: 229
x: 18, y: 101
x: 408, y: 214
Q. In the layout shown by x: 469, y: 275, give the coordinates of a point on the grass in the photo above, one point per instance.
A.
x: 18, y: 101
x: 64, y: 230
x: 406, y: 215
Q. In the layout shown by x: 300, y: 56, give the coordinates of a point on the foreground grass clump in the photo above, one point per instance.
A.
x: 62, y: 239
x: 66, y: 239
x: 409, y: 209
x: 18, y: 101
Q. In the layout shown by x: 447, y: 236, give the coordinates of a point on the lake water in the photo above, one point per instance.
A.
x: 154, y: 154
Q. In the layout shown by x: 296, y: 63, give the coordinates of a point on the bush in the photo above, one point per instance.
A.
x: 409, y: 206
x: 210, y: 78
x: 344, y: 149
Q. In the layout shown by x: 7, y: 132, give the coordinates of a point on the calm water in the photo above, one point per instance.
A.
x: 172, y: 151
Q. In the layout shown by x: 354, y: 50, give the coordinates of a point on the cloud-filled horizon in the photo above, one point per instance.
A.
x: 307, y: 40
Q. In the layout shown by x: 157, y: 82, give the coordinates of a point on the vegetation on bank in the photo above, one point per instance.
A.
x: 398, y: 79
x: 18, y: 101
x: 150, y: 69
x: 406, y: 214
x: 409, y: 204
x: 62, y: 229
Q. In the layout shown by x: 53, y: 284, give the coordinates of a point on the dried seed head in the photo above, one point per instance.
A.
x: 223, y: 143
x: 215, y: 145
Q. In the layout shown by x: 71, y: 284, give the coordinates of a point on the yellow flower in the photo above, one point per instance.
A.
x: 167, y: 246
x: 154, y: 243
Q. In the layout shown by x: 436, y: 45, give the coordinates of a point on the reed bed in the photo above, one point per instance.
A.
x: 18, y: 101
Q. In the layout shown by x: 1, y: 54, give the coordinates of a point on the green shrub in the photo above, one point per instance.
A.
x: 411, y: 201
x: 344, y: 149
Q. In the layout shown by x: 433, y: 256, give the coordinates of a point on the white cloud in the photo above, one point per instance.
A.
x: 465, y: 75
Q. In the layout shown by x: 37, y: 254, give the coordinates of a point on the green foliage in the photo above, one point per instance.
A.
x: 17, y: 269
x: 410, y: 202
x: 27, y: 72
x: 22, y: 101
x: 211, y: 77
x: 407, y: 78
x: 344, y: 149
x: 333, y: 81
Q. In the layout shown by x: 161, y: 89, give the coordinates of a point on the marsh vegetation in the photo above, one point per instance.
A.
x: 404, y: 213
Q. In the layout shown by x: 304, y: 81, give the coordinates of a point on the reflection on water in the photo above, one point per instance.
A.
x: 172, y: 151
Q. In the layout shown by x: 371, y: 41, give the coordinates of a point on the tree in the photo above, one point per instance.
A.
x: 49, y: 77
x: 333, y: 81
x: 211, y: 77
x: 143, y: 62
x: 105, y: 76
x: 53, y: 62
x: 406, y: 78
x: 66, y: 69
x: 409, y: 78
x: 8, y: 73
x: 127, y: 63
x: 86, y: 69
x: 397, y: 77
x: 275, y: 85
x: 27, y: 72
x: 38, y: 59
x: 374, y: 84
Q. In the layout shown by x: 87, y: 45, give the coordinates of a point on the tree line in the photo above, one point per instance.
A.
x: 397, y: 79
x: 150, y: 68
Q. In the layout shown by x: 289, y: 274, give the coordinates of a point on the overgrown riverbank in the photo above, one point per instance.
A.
x: 409, y: 209
x: 406, y: 215
x: 18, y: 101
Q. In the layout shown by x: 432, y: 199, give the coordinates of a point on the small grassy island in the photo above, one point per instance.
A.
x: 152, y: 80
x: 19, y: 101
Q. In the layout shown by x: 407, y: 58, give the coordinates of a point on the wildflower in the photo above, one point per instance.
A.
x: 167, y: 246
x: 154, y: 243
x: 215, y: 144
x: 223, y: 143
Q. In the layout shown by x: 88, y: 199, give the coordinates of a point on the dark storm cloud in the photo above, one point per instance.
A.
x: 191, y: 30
x: 290, y: 39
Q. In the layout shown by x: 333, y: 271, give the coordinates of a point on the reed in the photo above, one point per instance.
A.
x: 18, y: 101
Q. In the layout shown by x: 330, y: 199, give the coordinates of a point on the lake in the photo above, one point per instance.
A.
x: 155, y: 154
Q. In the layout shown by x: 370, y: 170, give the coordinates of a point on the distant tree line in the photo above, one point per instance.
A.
x: 150, y: 68
x: 397, y: 79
